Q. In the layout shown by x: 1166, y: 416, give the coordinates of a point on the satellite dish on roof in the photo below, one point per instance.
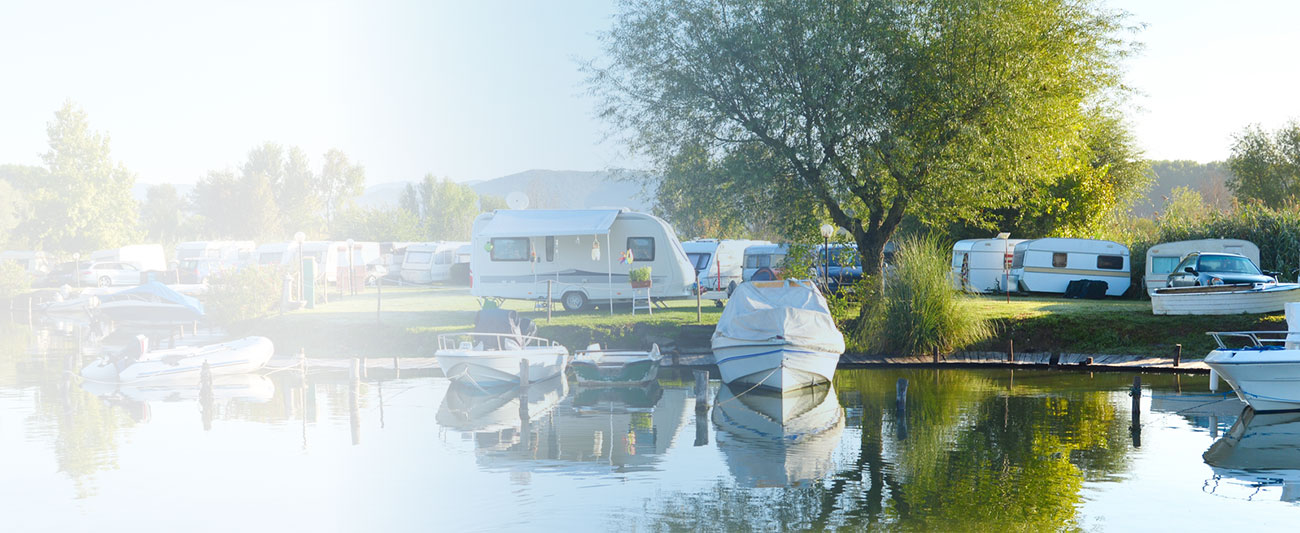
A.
x: 517, y: 200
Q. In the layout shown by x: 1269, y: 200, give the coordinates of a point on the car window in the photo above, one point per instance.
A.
x: 1182, y: 267
x: 1228, y: 265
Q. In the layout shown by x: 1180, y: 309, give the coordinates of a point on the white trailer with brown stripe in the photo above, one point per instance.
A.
x: 1049, y: 265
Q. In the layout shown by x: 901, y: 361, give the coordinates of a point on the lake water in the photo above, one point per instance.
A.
x: 973, y: 450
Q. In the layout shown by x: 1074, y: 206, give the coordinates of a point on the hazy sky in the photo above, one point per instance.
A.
x: 481, y: 89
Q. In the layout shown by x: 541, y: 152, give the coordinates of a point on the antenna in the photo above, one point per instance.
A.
x: 517, y: 200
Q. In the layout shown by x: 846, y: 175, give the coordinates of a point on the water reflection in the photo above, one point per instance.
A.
x: 770, y: 439
x: 1260, y: 453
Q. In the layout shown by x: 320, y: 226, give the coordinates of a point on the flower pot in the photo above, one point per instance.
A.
x: 640, y: 284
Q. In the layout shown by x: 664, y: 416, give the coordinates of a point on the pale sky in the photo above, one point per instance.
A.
x: 477, y: 90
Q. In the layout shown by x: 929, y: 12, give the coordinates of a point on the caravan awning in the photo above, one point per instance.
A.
x: 543, y: 223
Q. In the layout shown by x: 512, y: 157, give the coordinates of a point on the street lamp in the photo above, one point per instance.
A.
x: 827, y: 231
x: 298, y: 238
x: 76, y: 267
x: 352, y: 275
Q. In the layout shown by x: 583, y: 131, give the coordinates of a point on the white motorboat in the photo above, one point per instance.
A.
x: 1260, y: 452
x: 778, y: 335
x: 495, y: 359
x: 595, y: 366
x: 1262, y: 366
x: 772, y: 439
x: 184, y: 363
x: 1224, y: 299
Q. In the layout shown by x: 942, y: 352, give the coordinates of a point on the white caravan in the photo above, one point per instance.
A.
x: 1049, y: 265
x: 720, y: 264
x: 197, y: 260
x: 275, y: 253
x: 145, y: 257
x: 429, y: 262
x: 983, y: 265
x: 584, y: 253
x: 1162, y: 258
x: 765, y: 258
x: 327, y: 258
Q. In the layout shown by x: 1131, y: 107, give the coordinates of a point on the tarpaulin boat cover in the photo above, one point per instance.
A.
x: 778, y: 312
x: 158, y: 291
x: 549, y: 222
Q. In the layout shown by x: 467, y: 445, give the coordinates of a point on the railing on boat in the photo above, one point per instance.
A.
x: 1254, y: 337
x: 486, y: 341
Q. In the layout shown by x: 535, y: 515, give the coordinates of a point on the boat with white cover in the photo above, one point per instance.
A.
x: 184, y: 363
x: 495, y: 353
x: 778, y: 335
x: 150, y: 304
x: 1224, y: 299
x: 1262, y: 366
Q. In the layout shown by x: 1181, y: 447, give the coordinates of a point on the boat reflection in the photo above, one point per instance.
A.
x: 1261, y: 451
x: 467, y: 407
x: 770, y: 439
x: 622, y: 399
x: 135, y: 398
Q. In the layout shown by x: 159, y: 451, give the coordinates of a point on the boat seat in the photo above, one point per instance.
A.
x: 466, y: 345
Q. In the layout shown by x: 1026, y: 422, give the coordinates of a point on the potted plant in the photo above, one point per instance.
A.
x: 639, y: 277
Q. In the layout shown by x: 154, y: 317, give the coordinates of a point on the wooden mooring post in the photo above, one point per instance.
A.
x: 936, y: 355
x: 549, y: 303
x: 1178, y: 354
x: 1011, y: 350
x: 701, y: 390
x: 1136, y: 427
x: 523, y: 374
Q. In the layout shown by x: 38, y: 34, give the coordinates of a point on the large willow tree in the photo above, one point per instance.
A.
x: 935, y: 109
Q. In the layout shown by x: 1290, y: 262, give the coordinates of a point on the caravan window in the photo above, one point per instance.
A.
x: 445, y: 257
x: 1110, y: 262
x: 643, y: 248
x: 510, y: 249
x: 1163, y: 265
x: 1058, y: 259
x: 270, y: 258
x: 419, y: 258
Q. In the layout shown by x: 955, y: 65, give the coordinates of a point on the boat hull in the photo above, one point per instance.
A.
x: 494, y: 368
x: 1268, y: 380
x: 1248, y: 301
x: 235, y: 357
x: 775, y: 367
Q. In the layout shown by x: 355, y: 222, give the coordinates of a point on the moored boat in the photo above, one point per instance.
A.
x: 615, y: 367
x: 777, y: 335
x: 1224, y: 299
x: 233, y: 357
x: 1263, y: 367
x: 496, y: 353
x: 150, y: 304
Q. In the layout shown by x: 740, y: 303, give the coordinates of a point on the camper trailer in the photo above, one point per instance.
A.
x: 198, y: 260
x: 719, y: 263
x: 764, y: 261
x: 365, y: 260
x: 1049, y: 265
x: 275, y: 253
x: 983, y: 265
x: 430, y: 262
x: 1162, y: 258
x: 585, y: 254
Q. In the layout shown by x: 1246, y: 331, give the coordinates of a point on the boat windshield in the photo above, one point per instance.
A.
x: 1227, y: 264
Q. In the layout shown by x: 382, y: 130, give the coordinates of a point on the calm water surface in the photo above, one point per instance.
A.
x: 972, y: 450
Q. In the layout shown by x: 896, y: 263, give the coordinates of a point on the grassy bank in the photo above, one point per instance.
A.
x: 412, y: 318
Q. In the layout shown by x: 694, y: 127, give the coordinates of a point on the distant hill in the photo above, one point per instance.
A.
x: 546, y: 189
x: 1206, y: 178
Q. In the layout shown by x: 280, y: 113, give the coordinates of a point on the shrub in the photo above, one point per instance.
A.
x: 918, y: 310
x: 242, y: 295
x: 14, y: 280
x: 639, y: 274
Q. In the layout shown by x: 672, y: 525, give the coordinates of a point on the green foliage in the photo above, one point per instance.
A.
x: 238, y: 296
x: 918, y: 311
x: 161, y: 214
x: 13, y: 209
x: 377, y: 224
x: 82, y: 199
x: 639, y: 274
x: 340, y: 183
x: 14, y: 280
x: 488, y: 203
x: 940, y: 109
x: 449, y: 209
x: 1266, y: 165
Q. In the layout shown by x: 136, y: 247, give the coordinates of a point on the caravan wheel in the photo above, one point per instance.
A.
x: 574, y: 301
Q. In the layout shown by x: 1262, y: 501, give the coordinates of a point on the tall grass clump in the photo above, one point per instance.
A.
x: 236, y: 297
x: 917, y: 310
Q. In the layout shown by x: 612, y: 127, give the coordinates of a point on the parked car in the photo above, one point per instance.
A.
x: 104, y: 274
x: 1199, y: 269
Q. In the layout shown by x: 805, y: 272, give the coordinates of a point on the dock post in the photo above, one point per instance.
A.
x: 936, y: 355
x: 1011, y: 350
x: 1136, y: 428
x: 699, y: 311
x: 30, y: 323
x: 363, y: 367
x: 523, y: 373
x: 354, y: 402
x: 397, y: 369
x: 379, y: 301
x: 548, y: 301
x: 1178, y: 354
x: 701, y: 390
x: 205, y: 396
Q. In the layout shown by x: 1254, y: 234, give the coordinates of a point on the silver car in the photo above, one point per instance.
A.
x: 104, y: 274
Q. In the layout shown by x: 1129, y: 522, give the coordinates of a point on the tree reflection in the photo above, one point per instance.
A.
x: 982, y: 451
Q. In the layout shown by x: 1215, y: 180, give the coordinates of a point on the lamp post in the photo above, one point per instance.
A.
x: 827, y: 231
x: 352, y: 275
x: 298, y: 238
x: 76, y: 267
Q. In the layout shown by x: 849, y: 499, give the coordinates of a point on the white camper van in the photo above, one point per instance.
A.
x: 198, y: 260
x: 1162, y: 258
x: 720, y: 264
x: 1049, y: 265
x: 764, y: 260
x: 429, y: 262
x: 514, y: 253
x: 983, y: 265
